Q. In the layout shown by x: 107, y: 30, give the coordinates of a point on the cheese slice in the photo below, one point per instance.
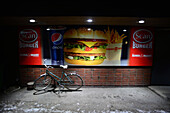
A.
x: 89, y: 44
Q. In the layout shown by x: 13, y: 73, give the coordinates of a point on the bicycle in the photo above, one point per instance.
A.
x: 71, y: 81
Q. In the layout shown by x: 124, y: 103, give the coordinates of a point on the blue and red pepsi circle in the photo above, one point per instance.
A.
x: 57, y: 38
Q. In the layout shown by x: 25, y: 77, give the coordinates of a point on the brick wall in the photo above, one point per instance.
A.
x: 96, y: 76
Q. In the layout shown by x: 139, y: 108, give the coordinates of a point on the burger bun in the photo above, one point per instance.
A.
x: 83, y: 62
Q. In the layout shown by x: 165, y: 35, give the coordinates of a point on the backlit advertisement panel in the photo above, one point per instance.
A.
x: 141, y: 47
x: 30, y: 46
x: 86, y: 45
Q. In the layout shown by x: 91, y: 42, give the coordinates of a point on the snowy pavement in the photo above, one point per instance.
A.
x: 87, y: 100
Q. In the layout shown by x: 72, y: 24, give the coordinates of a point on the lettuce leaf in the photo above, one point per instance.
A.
x: 87, y: 58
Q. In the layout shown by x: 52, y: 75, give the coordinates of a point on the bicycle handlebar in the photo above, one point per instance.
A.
x: 63, y: 66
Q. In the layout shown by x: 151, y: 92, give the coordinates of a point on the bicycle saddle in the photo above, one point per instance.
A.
x: 64, y: 66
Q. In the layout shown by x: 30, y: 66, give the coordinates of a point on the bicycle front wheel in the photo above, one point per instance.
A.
x: 42, y: 82
x: 73, y: 82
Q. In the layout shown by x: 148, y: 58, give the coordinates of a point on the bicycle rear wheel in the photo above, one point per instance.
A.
x: 42, y: 83
x: 72, y: 82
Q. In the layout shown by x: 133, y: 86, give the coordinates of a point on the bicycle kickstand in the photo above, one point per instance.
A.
x: 60, y: 88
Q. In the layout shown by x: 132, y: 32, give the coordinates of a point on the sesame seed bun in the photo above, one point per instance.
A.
x: 86, y: 33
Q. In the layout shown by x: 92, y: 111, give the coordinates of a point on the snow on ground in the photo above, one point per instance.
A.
x: 29, y: 107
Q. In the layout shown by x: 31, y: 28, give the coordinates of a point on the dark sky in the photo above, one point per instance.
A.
x: 84, y: 8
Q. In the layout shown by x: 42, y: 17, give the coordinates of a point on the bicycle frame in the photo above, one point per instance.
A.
x: 53, y: 76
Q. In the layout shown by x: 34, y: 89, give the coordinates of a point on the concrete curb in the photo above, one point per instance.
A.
x: 162, y: 91
x: 12, y: 89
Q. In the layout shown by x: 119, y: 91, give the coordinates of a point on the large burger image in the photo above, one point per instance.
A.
x: 84, y: 46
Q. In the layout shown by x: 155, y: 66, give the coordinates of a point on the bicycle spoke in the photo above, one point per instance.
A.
x: 73, y: 82
x: 42, y: 83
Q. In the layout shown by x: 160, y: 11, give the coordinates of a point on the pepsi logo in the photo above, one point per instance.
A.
x: 56, y: 38
x: 142, y: 36
x: 28, y: 35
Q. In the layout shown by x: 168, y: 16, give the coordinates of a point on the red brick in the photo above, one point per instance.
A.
x: 96, y: 76
x: 131, y: 79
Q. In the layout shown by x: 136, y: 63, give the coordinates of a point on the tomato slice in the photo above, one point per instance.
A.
x: 88, y: 49
x: 95, y: 47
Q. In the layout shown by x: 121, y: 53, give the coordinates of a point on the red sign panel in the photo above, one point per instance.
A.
x: 141, y: 47
x: 30, y: 46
